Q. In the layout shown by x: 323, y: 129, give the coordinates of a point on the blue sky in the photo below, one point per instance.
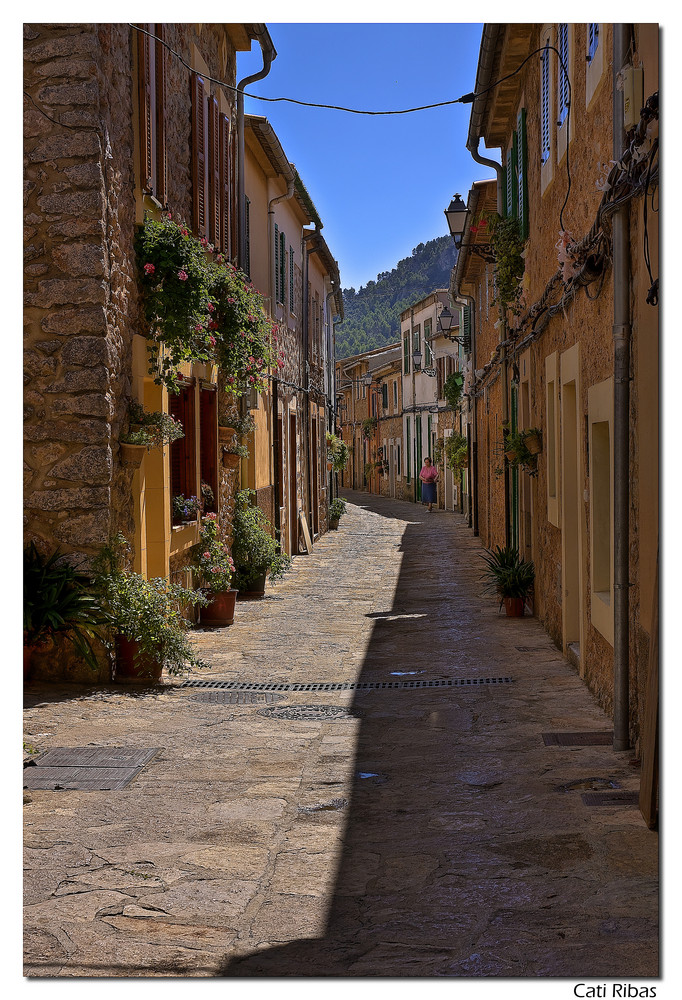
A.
x: 380, y: 184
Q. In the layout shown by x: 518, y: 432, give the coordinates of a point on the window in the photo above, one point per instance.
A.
x: 545, y: 108
x: 183, y: 452
x: 406, y: 354
x: 210, y: 167
x: 417, y: 338
x: 600, y: 454
x: 384, y: 395
x: 563, y: 64
x: 552, y: 435
x: 279, y: 265
x: 395, y: 394
x: 282, y: 267
x: 522, y: 181
x: 407, y: 445
x: 466, y: 330
x: 428, y: 353
x: 592, y: 41
x: 208, y: 441
x: 151, y: 74
x: 397, y: 459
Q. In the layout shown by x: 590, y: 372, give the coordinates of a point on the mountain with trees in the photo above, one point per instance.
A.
x: 372, y: 313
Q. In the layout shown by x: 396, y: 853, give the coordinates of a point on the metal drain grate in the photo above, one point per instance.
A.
x: 610, y: 798
x: 239, y: 697
x: 351, y: 686
x: 594, y: 739
x: 87, y: 768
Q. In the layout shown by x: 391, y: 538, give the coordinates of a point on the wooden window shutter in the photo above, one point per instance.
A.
x: 161, y: 157
x: 213, y: 172
x: 508, y: 187
x: 247, y: 227
x: 144, y: 74
x: 276, y: 263
x: 175, y: 408
x: 291, y: 279
x: 198, y: 154
x: 190, y: 475
x: 522, y: 172
x: 224, y: 184
x: 563, y: 73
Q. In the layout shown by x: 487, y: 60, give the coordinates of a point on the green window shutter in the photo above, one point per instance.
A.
x: 291, y: 279
x: 282, y: 266
x: 384, y: 395
x: 276, y: 263
x: 466, y: 330
x: 508, y: 187
x: 512, y: 203
x: 522, y: 170
x: 406, y: 354
x: 408, y: 450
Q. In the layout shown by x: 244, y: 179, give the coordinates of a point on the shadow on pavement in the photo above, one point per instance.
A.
x: 413, y: 890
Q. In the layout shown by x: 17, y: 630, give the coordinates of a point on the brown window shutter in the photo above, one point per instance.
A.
x: 198, y: 155
x: 190, y: 443
x: 183, y: 452
x: 161, y: 159
x: 175, y: 408
x: 144, y: 57
x: 224, y: 184
x: 213, y: 172
x: 208, y: 417
x: 233, y: 194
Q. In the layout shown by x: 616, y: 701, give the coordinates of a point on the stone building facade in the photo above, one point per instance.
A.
x: 553, y: 363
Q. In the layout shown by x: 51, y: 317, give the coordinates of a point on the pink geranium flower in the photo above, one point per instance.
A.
x: 212, y: 340
x: 149, y: 268
x: 211, y: 307
x: 183, y: 275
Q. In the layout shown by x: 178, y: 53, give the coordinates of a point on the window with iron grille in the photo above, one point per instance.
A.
x: 544, y: 113
x: 563, y: 63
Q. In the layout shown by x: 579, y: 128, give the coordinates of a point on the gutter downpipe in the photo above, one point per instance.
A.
x: 414, y: 405
x: 473, y: 465
x: 483, y: 74
x: 269, y: 53
x: 621, y: 428
x: 331, y: 381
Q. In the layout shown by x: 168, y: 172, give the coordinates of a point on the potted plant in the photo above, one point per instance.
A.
x: 337, y: 508
x: 254, y: 549
x: 518, y: 453
x: 510, y: 576
x: 368, y: 426
x: 233, y: 453
x: 185, y: 509
x: 337, y: 453
x: 214, y: 568
x: 452, y: 389
x: 533, y: 440
x: 145, y: 617
x: 456, y: 449
x: 58, y: 603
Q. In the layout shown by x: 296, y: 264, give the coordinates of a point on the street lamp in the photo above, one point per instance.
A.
x: 417, y: 358
x: 445, y: 321
x: 456, y: 214
x: 367, y: 379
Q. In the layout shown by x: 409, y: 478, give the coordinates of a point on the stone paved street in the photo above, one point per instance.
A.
x: 425, y: 831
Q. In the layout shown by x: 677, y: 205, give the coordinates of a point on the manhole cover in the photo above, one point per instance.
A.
x: 326, y: 713
x: 239, y: 697
x: 610, y: 798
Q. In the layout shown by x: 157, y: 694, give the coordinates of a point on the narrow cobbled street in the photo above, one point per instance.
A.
x: 388, y: 806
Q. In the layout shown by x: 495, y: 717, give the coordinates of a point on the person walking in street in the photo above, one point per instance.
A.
x: 429, y: 478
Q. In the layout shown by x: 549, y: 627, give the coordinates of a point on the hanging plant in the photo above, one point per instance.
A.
x: 452, y: 389
x: 201, y: 310
x: 508, y: 245
x: 368, y: 426
x: 456, y: 450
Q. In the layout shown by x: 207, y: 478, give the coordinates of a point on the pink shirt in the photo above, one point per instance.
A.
x: 429, y: 473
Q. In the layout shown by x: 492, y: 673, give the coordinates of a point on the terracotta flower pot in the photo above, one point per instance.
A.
x: 230, y: 460
x: 220, y: 609
x: 334, y: 524
x: 225, y: 434
x: 128, y: 670
x: 132, y: 454
x: 533, y: 444
x: 514, y: 607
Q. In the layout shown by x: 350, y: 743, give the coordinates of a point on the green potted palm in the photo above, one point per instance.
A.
x: 58, y: 603
x: 510, y: 576
x: 214, y: 569
x: 255, y: 552
x: 146, y: 618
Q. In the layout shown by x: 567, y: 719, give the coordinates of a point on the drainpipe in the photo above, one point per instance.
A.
x: 306, y: 377
x: 276, y: 444
x: 469, y: 300
x: 269, y: 53
x: 621, y: 428
x: 414, y: 404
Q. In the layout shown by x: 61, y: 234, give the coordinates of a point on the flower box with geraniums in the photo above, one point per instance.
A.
x: 214, y: 568
x: 146, y: 618
x: 58, y: 604
x: 255, y: 552
x: 201, y: 308
x: 185, y: 509
x: 511, y: 577
x: 337, y: 508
